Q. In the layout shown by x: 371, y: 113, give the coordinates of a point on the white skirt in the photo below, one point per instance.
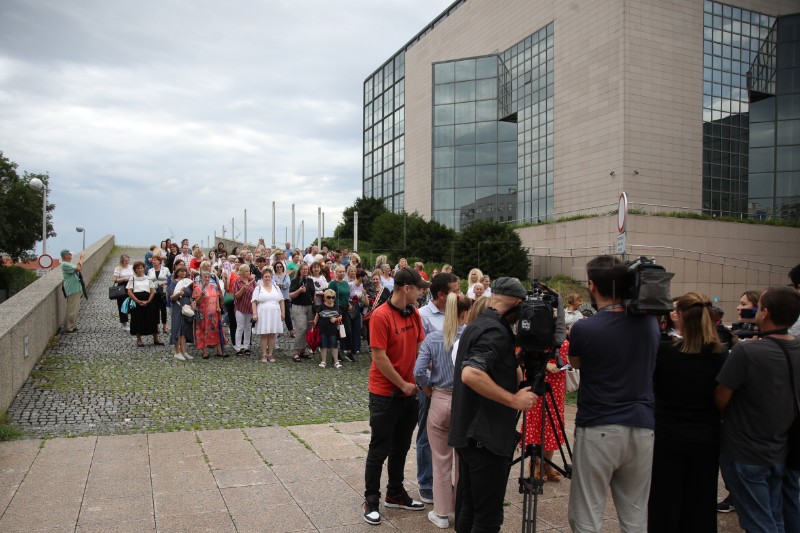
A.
x: 269, y: 318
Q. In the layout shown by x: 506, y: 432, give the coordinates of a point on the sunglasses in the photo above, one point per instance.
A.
x: 330, y: 298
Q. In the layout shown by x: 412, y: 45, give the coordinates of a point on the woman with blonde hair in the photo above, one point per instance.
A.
x: 123, y: 273
x: 242, y: 290
x: 475, y: 276
x: 380, y: 261
x: 686, y: 451
x: 434, y: 372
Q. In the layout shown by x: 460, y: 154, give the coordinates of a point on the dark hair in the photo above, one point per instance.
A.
x: 794, y: 275
x: 180, y: 269
x: 608, y: 275
x: 361, y: 273
x: 783, y: 304
x: 138, y: 264
x: 441, y: 283
x: 279, y: 264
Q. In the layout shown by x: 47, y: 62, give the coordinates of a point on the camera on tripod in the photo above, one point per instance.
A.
x: 537, y: 325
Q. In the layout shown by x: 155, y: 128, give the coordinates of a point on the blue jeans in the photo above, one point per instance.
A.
x: 791, y: 500
x: 355, y: 334
x: 757, y: 494
x: 424, y: 460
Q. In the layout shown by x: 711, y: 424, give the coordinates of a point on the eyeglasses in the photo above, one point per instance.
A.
x: 330, y: 298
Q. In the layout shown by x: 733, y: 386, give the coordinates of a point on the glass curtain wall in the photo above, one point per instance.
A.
x: 493, y: 135
x: 384, y: 134
x: 732, y: 38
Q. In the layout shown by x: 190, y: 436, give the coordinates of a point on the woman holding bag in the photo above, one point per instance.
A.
x: 159, y: 275
x: 207, y: 307
x: 122, y: 274
x: 268, y: 314
x: 180, y: 294
x: 144, y: 317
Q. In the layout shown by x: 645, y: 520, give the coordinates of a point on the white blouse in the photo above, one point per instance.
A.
x: 143, y: 284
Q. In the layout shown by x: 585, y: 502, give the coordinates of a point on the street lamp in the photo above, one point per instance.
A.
x: 39, y: 185
x: 80, y: 229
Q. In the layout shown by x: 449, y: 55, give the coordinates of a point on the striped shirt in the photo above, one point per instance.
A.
x: 434, y: 366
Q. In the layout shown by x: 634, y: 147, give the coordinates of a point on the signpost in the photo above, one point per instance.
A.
x: 45, y: 263
x: 622, y: 216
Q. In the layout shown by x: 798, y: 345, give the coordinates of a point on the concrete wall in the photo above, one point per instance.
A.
x: 720, y: 259
x: 35, y: 313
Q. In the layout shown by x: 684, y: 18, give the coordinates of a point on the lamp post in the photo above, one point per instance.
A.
x: 39, y: 185
x: 80, y: 229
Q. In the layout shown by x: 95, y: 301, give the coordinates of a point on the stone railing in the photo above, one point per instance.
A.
x: 30, y: 318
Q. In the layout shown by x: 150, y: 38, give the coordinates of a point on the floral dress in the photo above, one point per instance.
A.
x: 206, y: 322
x: 558, y: 382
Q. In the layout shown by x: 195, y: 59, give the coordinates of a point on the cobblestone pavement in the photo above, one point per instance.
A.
x: 98, y: 382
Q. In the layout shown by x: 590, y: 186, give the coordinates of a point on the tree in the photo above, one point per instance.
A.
x: 369, y: 209
x: 21, y: 211
x: 494, y: 248
x: 404, y: 235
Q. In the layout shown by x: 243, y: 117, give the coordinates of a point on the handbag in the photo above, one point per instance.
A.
x: 342, y: 331
x: 187, y: 311
x: 115, y: 292
x: 573, y: 379
x: 793, y: 434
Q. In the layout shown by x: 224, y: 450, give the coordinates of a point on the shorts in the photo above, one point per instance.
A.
x: 329, y: 341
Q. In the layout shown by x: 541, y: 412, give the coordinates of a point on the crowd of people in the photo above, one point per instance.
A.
x: 664, y: 403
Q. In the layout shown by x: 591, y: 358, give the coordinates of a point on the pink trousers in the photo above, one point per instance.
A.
x: 442, y: 455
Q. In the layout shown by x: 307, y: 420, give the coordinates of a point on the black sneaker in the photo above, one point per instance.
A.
x: 402, y: 500
x: 349, y: 357
x: 371, y: 513
x: 726, y: 505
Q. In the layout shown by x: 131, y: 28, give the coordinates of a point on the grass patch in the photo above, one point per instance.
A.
x: 7, y: 430
x: 571, y: 398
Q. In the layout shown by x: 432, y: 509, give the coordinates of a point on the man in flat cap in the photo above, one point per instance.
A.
x: 486, y: 398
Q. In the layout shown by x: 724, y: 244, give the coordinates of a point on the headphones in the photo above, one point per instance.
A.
x: 407, y: 311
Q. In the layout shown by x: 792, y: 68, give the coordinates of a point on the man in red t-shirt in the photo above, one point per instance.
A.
x: 395, y: 335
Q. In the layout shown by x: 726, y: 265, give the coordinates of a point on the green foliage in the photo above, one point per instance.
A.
x: 15, y: 278
x: 494, y: 248
x: 20, y: 211
x: 369, y: 209
x: 402, y: 235
x: 7, y: 431
x: 565, y: 285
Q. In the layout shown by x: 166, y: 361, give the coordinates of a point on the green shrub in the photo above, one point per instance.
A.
x: 15, y: 278
x: 7, y: 431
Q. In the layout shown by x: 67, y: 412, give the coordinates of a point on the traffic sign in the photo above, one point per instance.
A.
x: 45, y: 261
x: 622, y: 213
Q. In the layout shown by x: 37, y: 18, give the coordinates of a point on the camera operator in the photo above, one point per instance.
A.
x: 614, y: 427
x: 486, y: 398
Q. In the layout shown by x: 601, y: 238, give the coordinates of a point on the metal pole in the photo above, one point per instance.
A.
x: 233, y: 233
x: 303, y: 231
x: 319, y: 228
x: 245, y: 226
x: 294, y: 235
x: 323, y: 223
x: 355, y: 231
x: 273, y: 223
x: 44, y: 218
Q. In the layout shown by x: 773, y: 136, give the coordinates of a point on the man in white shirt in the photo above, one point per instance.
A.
x: 310, y: 258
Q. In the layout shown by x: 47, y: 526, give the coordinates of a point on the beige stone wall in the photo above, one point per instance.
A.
x: 721, y: 259
x: 35, y: 313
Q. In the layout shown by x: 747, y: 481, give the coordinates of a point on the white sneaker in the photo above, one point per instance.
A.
x: 337, y: 365
x: 178, y: 356
x: 187, y: 356
x: 442, y: 522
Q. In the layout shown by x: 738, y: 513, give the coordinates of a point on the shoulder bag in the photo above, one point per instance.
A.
x: 115, y: 292
x: 793, y: 435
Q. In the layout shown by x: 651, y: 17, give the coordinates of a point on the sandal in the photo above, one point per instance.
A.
x: 264, y: 359
x: 271, y: 358
x: 158, y: 343
x: 140, y: 344
x: 246, y: 352
x: 296, y: 358
x: 552, y: 474
x: 322, y: 364
x: 205, y: 356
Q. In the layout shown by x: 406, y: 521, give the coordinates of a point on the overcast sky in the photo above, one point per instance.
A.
x: 159, y: 118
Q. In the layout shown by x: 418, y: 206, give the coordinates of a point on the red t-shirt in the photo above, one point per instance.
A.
x: 399, y: 336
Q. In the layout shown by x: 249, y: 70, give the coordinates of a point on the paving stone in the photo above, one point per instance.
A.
x: 243, y: 477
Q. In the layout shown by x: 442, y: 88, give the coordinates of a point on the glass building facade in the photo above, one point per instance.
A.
x: 384, y: 133
x: 493, y: 135
x: 732, y: 38
x: 774, y: 83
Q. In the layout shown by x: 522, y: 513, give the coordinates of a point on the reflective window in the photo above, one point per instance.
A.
x: 732, y: 39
